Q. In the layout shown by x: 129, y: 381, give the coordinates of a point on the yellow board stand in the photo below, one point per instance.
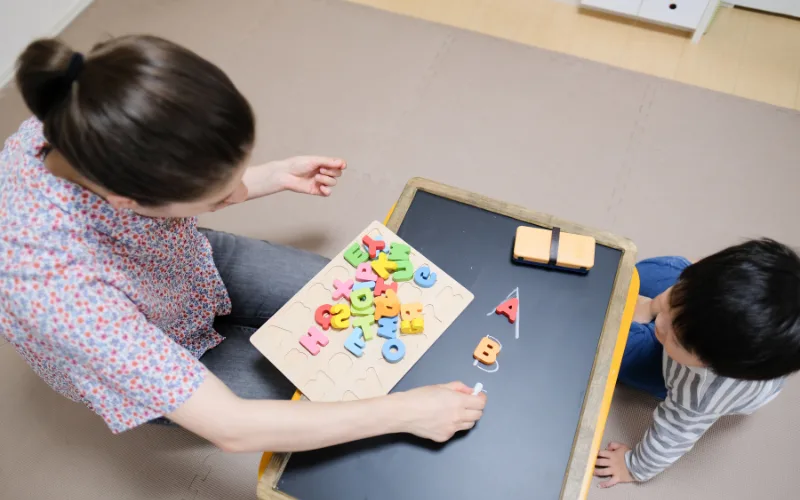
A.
x: 616, y: 361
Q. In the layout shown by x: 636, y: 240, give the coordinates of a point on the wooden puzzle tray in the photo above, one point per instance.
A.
x: 351, y: 333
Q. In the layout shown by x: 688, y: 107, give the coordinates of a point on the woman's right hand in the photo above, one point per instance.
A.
x: 437, y: 412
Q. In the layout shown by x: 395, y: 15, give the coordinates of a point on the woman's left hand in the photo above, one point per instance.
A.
x: 315, y: 175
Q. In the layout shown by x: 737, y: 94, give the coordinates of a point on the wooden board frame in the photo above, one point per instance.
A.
x: 610, y: 347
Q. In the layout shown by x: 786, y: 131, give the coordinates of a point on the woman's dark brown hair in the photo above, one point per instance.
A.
x: 140, y: 116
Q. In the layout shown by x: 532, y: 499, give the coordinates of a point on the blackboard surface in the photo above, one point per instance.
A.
x: 520, y: 449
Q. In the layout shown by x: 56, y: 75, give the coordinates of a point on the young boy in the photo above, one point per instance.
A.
x: 713, y: 338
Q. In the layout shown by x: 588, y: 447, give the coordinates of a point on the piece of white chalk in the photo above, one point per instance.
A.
x: 477, y: 389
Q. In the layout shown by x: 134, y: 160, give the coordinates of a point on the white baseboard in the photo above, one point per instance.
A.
x: 7, y: 72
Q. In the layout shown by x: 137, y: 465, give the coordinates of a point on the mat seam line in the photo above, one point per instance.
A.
x: 627, y: 166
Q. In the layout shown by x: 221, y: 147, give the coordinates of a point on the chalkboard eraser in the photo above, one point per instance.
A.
x: 554, y: 249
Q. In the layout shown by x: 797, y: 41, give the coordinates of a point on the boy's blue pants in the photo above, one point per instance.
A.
x: 642, y: 361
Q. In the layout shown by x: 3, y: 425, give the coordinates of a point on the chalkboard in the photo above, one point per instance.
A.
x: 521, y: 447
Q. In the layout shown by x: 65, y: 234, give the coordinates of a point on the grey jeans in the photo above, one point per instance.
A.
x: 260, y: 278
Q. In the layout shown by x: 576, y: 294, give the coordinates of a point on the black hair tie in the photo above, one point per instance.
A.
x: 74, y: 69
x: 58, y: 89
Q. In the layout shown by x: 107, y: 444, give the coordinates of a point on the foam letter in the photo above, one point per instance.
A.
x: 509, y: 309
x: 487, y: 351
x: 313, y: 340
x: 355, y: 344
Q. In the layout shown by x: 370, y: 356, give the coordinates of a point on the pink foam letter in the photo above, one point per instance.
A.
x: 364, y: 272
x: 342, y: 289
x: 313, y: 340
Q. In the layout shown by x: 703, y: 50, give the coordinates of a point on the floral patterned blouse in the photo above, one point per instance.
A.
x: 110, y: 308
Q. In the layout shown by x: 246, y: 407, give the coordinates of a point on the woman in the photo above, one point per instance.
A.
x: 112, y: 294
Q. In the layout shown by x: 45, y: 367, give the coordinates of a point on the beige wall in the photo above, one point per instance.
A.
x: 23, y: 21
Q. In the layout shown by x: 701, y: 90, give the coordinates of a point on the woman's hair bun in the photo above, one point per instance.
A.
x: 43, y: 75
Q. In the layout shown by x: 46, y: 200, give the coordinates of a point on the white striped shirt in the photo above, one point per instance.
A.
x: 696, y: 398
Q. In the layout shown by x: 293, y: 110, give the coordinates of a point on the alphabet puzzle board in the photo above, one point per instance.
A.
x: 348, y: 363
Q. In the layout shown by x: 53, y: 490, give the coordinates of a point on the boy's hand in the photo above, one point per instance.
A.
x: 660, y: 303
x: 643, y: 311
x: 611, y: 464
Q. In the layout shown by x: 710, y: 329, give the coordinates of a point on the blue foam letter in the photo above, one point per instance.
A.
x: 387, y: 328
x: 355, y: 343
x: 393, y: 350
x: 424, y: 277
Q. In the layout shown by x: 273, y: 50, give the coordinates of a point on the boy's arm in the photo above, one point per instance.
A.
x: 673, y: 432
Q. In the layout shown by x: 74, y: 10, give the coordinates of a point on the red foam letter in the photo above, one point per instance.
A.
x: 381, y: 287
x: 323, y: 316
x: 373, y: 246
x: 509, y: 309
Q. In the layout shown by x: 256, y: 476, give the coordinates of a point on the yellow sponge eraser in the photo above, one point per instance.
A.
x: 554, y: 248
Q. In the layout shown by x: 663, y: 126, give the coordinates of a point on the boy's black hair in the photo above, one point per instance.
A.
x: 141, y: 116
x: 739, y: 310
